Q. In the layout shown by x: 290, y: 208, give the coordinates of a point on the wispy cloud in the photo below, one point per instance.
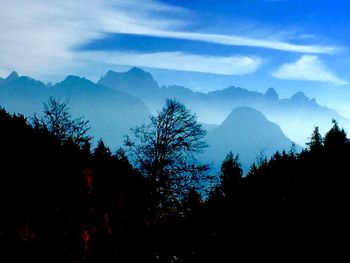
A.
x: 309, y: 68
x: 41, y: 36
x: 231, y: 40
x: 233, y: 65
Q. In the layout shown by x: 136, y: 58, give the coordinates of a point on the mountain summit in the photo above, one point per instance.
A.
x: 246, y: 132
x: 14, y: 75
x: 271, y: 94
x: 136, y: 82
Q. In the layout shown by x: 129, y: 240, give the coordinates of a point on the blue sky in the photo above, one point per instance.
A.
x: 290, y: 45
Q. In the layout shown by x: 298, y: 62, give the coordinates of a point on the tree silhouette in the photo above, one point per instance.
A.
x: 102, y: 152
x: 192, y: 201
x: 62, y: 202
x: 335, y: 137
x: 231, y: 175
x: 316, y: 141
x: 165, y: 152
x: 58, y: 121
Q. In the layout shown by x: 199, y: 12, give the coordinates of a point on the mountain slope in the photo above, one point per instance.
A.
x: 296, y: 116
x: 135, y: 82
x: 213, y: 107
x: 248, y: 133
x: 111, y: 113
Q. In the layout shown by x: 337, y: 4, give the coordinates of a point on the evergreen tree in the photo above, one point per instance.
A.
x: 192, y: 202
x: 231, y: 175
x: 102, y: 152
x: 335, y: 137
x: 316, y: 141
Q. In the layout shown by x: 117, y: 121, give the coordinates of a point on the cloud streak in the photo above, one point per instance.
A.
x: 309, y: 68
x: 232, y: 65
x: 40, y: 36
x: 231, y: 40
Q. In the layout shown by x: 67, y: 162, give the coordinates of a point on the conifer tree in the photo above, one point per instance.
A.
x: 231, y: 175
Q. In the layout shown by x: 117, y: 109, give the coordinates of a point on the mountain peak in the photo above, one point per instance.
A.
x: 136, y: 70
x: 14, y: 75
x: 72, y: 78
x: 271, y: 94
x: 246, y: 131
x: 244, y: 116
x: 76, y: 81
x: 241, y: 114
x: 136, y: 82
x: 300, y: 97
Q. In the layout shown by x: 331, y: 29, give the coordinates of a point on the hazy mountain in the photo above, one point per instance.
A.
x: 119, y: 102
x: 271, y: 95
x: 22, y: 94
x: 141, y: 84
x: 136, y: 82
x: 14, y: 75
x: 111, y: 113
x: 297, y: 115
x: 246, y: 132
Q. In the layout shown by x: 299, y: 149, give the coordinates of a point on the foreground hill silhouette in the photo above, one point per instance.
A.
x: 62, y: 202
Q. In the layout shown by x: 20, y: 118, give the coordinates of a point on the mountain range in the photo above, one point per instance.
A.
x: 297, y: 115
x: 246, y: 122
x: 111, y: 113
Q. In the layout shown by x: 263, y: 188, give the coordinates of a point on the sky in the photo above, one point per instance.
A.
x: 291, y: 45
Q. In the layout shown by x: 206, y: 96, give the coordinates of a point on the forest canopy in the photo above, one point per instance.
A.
x: 63, y: 201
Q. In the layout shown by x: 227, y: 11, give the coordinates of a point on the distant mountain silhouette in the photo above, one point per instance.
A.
x: 22, y: 94
x: 136, y: 82
x: 213, y: 107
x: 111, y: 113
x: 21, y: 83
x: 271, y: 94
x: 12, y: 76
x: 117, y: 91
x: 248, y: 133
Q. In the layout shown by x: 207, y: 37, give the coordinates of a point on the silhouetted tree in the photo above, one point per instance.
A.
x: 335, y: 137
x: 58, y: 121
x: 60, y: 202
x: 102, y: 152
x: 165, y: 152
x: 192, y: 202
x: 231, y: 175
x: 316, y: 141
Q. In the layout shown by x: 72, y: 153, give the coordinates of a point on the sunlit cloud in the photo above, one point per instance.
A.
x: 309, y: 68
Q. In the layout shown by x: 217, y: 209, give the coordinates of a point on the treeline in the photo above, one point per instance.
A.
x: 62, y: 201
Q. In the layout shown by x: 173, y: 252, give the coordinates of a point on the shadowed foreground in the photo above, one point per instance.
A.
x: 62, y: 202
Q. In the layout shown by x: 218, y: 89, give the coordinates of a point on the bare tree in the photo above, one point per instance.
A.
x: 58, y: 121
x: 165, y: 152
